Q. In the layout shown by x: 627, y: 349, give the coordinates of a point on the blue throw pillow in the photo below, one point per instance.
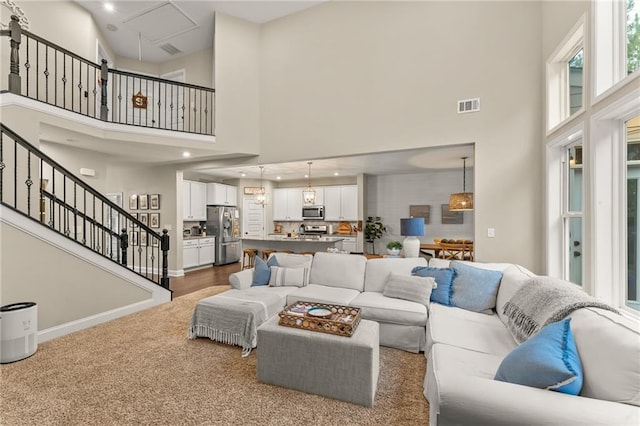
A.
x: 475, y: 289
x: 444, y: 278
x: 548, y: 360
x: 262, y: 271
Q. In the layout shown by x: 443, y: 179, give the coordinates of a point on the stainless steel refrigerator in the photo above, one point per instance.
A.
x: 224, y: 223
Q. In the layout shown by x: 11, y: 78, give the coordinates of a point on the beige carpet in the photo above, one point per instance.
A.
x: 142, y: 369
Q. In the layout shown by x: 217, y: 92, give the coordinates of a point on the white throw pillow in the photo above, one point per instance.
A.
x: 409, y: 287
x: 288, y: 277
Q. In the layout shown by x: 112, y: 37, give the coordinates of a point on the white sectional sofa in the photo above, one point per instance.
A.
x: 465, y: 349
x: 353, y: 280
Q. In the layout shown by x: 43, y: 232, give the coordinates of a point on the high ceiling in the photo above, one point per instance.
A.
x: 145, y: 30
x: 136, y: 29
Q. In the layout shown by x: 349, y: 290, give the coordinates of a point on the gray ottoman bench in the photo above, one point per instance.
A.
x: 339, y: 367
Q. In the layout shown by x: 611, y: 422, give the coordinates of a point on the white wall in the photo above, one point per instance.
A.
x: 80, y: 289
x: 390, y: 197
x: 351, y: 77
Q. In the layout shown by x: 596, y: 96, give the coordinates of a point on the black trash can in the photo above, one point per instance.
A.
x: 18, y: 331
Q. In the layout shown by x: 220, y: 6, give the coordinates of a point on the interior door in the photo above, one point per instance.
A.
x: 252, y: 218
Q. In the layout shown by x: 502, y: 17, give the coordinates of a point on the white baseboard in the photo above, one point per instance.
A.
x: 80, y: 324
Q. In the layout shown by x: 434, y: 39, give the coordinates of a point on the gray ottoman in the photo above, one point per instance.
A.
x: 339, y: 367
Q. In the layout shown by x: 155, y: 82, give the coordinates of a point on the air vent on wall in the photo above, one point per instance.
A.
x: 469, y: 105
x: 170, y: 49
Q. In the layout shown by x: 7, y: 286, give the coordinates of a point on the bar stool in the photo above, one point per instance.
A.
x: 248, y: 256
x: 266, y: 253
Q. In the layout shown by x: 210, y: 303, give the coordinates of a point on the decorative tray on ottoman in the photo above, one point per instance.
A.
x: 332, y: 319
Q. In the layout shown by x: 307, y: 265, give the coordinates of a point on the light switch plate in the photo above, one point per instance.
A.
x: 491, y: 232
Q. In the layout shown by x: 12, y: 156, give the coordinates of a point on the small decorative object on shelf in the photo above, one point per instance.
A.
x: 324, y: 318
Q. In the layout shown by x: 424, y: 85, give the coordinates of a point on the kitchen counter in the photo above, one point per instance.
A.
x: 296, y: 244
x: 195, y: 237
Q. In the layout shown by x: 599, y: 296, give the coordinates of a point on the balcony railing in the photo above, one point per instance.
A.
x: 36, y: 186
x: 46, y: 72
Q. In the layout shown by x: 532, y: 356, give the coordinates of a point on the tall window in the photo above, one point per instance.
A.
x: 633, y: 214
x: 576, y: 81
x: 572, y: 213
x: 565, y: 79
x: 633, y: 35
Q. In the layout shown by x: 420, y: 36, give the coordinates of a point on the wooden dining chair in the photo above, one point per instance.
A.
x: 457, y: 250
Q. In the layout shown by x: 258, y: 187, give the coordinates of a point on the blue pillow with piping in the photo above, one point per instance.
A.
x: 444, y: 279
x: 262, y: 271
x: 548, y: 360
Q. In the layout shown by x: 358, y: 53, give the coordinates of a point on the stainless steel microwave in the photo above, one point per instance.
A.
x: 313, y: 212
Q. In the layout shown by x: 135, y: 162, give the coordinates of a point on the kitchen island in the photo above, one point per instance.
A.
x: 301, y: 243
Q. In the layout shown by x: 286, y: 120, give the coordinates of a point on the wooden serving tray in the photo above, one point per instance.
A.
x: 342, y: 321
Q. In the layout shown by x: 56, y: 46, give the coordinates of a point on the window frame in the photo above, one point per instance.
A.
x: 557, y: 73
x: 609, y: 40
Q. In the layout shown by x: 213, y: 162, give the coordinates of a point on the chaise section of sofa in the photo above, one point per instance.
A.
x: 465, y: 350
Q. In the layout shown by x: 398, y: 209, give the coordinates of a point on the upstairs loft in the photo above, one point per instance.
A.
x: 111, y: 111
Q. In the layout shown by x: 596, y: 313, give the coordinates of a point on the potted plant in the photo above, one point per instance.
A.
x: 393, y: 248
x: 373, y: 229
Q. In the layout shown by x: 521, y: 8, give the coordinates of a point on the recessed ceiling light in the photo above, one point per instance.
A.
x: 186, y: 154
x: 112, y: 27
x: 243, y: 174
x: 336, y: 174
x: 108, y: 6
x: 278, y: 177
x: 306, y: 175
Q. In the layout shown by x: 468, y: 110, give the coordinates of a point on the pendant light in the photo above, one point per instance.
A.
x: 261, y: 196
x: 309, y: 194
x: 462, y: 201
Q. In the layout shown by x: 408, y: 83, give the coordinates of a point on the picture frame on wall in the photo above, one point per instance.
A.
x: 155, y: 242
x: 144, y: 218
x: 134, y: 238
x: 423, y: 211
x: 451, y: 218
x: 143, y: 202
x: 131, y: 223
x: 143, y: 238
x: 133, y: 202
x: 154, y: 220
x: 154, y: 201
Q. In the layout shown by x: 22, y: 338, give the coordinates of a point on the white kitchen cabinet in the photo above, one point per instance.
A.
x: 198, y: 252
x: 287, y: 204
x: 194, y: 200
x: 341, y: 203
x: 219, y: 194
x: 189, y: 253
x: 207, y: 251
x: 349, y: 244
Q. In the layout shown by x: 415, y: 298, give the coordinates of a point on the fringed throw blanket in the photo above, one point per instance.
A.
x: 544, y: 300
x: 233, y: 317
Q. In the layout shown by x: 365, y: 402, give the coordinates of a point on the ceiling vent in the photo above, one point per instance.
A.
x: 469, y: 105
x: 170, y: 49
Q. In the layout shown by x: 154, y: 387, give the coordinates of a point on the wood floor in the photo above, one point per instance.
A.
x: 202, y: 278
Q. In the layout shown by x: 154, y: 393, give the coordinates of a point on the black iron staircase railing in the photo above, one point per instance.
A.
x: 46, y: 72
x: 36, y: 186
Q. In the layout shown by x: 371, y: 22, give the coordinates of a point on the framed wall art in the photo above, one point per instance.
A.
x: 421, y: 211
x: 134, y: 238
x: 449, y: 217
x: 144, y: 218
x: 133, y: 202
x: 143, y: 238
x: 154, y: 201
x: 143, y: 202
x: 154, y: 220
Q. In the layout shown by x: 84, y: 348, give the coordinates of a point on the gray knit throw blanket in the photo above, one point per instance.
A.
x: 543, y: 300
